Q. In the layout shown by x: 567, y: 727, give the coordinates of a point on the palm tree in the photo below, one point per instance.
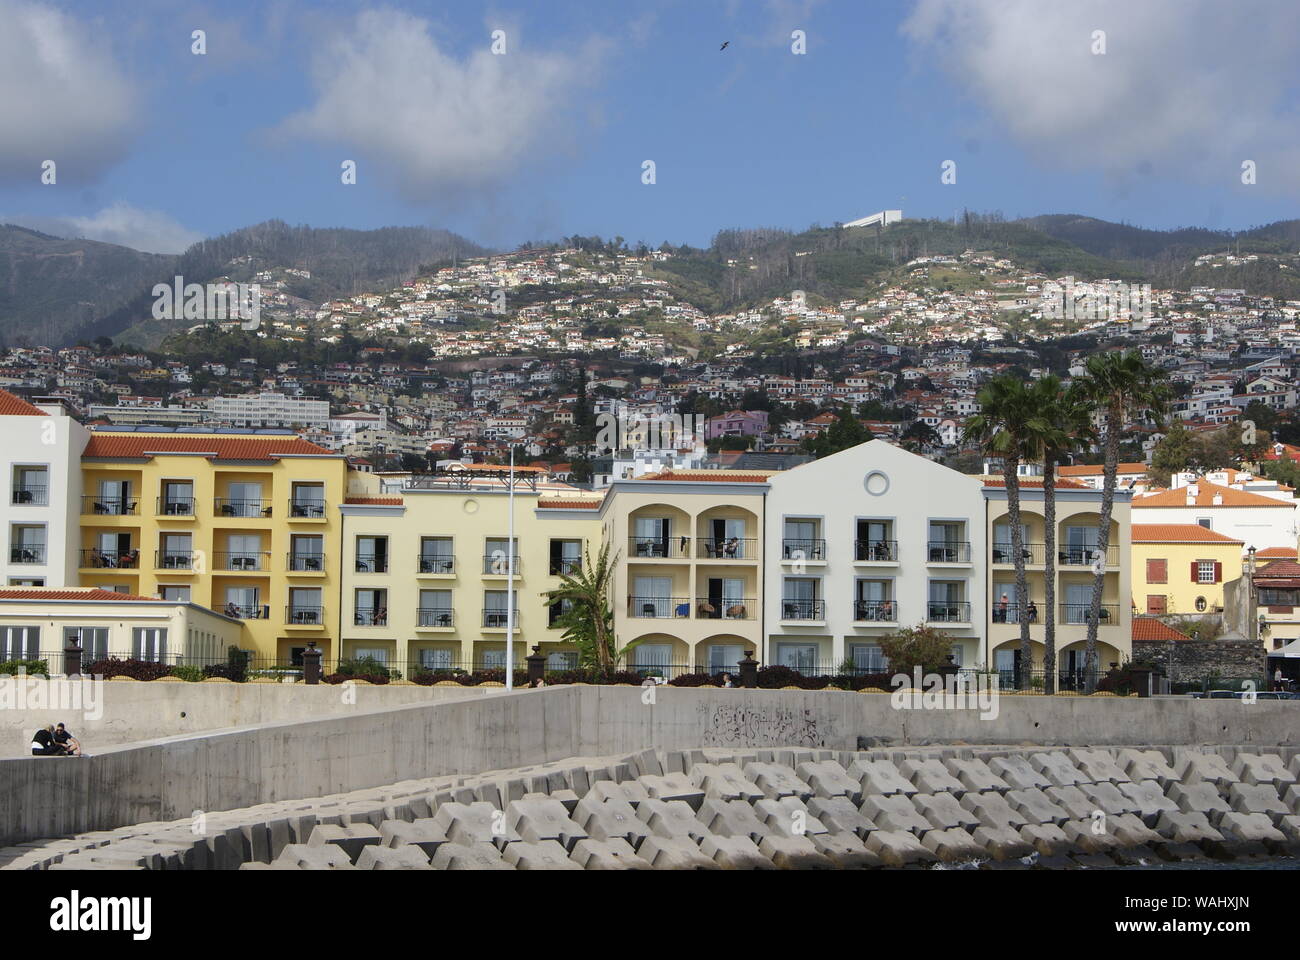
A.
x: 1120, y: 386
x: 999, y: 428
x: 589, y: 620
x: 1061, y: 422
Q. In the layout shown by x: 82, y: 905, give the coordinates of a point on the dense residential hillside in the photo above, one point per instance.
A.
x: 52, y: 288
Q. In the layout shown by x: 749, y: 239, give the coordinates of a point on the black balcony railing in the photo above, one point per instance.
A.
x: 1082, y: 613
x: 27, y: 553
x: 875, y: 551
x: 726, y: 548
x: 434, y: 616
x: 242, y: 560
x: 640, y: 548
x: 246, y: 611
x: 372, y: 563
x: 803, y: 549
x: 437, y: 563
x: 660, y: 608
x: 173, y: 560
x: 948, y: 551
x: 174, y: 506
x: 306, y: 509
x: 725, y: 608
x: 110, y: 506
x: 304, y: 613
x: 497, y: 619
x: 371, y: 617
x: 948, y: 611
x: 32, y: 495
x: 97, y: 559
x: 1033, y: 553
x: 565, y: 567
x: 1010, y: 612
x: 498, y: 564
x: 305, y: 562
x: 1076, y: 556
x: 803, y: 609
x: 875, y: 611
x: 228, y: 507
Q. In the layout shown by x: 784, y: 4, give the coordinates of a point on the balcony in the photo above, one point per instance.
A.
x: 1083, y: 556
x: 948, y: 551
x: 371, y: 617
x: 659, y: 548
x: 875, y: 611
x: 96, y: 559
x: 226, y: 507
x: 658, y: 608
x: 727, y: 608
x: 174, y: 506
x: 803, y: 609
x: 173, y: 560
x: 726, y: 548
x: 434, y: 617
x: 305, y: 562
x: 565, y: 567
x: 1011, y: 612
x: 27, y: 553
x: 110, y: 506
x: 1034, y: 553
x: 1081, y: 613
x: 442, y: 564
x: 242, y: 561
x: 875, y: 551
x: 307, y: 510
x: 803, y: 550
x: 372, y: 563
x: 498, y: 565
x: 496, y: 619
x: 31, y: 495
x: 304, y: 615
x: 246, y: 611
x: 948, y: 611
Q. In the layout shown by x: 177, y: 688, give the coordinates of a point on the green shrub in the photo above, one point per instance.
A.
x: 190, y: 674
x: 36, y: 668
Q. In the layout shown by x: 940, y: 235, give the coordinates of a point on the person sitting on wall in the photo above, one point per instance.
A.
x: 43, y: 743
x: 64, y: 738
x: 726, y: 680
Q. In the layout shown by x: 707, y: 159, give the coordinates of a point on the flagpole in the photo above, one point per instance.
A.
x: 510, y: 578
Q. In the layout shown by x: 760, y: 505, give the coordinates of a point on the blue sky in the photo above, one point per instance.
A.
x: 156, y: 146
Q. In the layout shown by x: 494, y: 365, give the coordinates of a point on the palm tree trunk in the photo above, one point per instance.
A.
x: 1018, y: 558
x: 1049, y: 576
x: 1114, y: 422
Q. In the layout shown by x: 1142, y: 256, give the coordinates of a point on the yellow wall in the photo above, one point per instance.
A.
x: 273, y: 635
x: 1180, y: 592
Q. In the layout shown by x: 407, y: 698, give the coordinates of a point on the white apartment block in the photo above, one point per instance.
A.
x: 270, y: 410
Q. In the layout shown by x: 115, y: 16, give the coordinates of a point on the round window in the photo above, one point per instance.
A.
x: 471, y: 506
x: 876, y: 483
x: 1200, y: 604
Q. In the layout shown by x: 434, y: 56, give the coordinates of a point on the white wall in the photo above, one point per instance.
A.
x: 1259, y: 527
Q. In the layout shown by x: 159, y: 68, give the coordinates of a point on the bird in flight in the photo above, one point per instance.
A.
x: 724, y: 46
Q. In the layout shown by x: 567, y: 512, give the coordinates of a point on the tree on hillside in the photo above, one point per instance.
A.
x: 847, y: 431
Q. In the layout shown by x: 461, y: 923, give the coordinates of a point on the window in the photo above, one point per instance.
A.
x: 176, y: 551
x: 20, y: 643
x: 566, y: 557
x: 800, y: 541
x: 957, y: 653
x: 435, y: 608
x: 495, y: 558
x: 1156, y: 604
x: 93, y: 641
x: 557, y: 610
x: 178, y: 594
x: 372, y: 554
x: 243, y: 500
x: 1157, y: 571
x: 1204, y: 522
x: 378, y: 654
x: 372, y: 608
x: 306, y: 553
x: 308, y: 500
x: 177, y: 498
x: 149, y: 643
x: 868, y: 657
x: 875, y: 541
x: 27, y: 544
x: 436, y: 555
x: 435, y: 659
x: 31, y: 486
x: 725, y: 658
x: 797, y: 656
x: 1206, y: 571
x: 305, y: 605
x: 563, y: 660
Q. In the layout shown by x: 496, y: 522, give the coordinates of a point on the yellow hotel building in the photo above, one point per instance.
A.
x: 246, y: 525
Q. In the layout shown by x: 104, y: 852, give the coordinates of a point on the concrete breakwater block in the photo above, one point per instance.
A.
x: 328, y: 856
x: 1188, y: 827
x: 777, y: 780
x: 1108, y: 798
x: 794, y: 853
x: 673, y: 786
x: 538, y: 855
x: 840, y: 816
x: 735, y: 853
x: 1036, y: 806
x: 945, y: 812
x: 1057, y: 768
x: 1001, y: 843
x: 897, y: 848
x: 671, y: 819
x: 895, y: 813
x: 975, y: 775
x: 846, y: 850
x: 631, y: 792
x: 351, y: 839
x: 1149, y: 800
x: 1147, y: 765
x: 953, y: 845
x: 789, y: 817
x: 1262, y: 768
x: 1018, y: 772
x: 1073, y: 800
x: 537, y: 820
x: 993, y: 810
x: 1098, y: 765
x: 612, y: 854
x: 724, y: 781
x: 1257, y: 798
x: 469, y: 856
x: 611, y: 820
x: 731, y: 818
x: 1194, y: 766
x: 828, y: 779
x: 880, y: 777
x: 423, y: 833
x: 931, y: 776
x: 1046, y: 838
x: 471, y: 823
x: 407, y: 857
x: 1199, y: 796
x: 675, y: 853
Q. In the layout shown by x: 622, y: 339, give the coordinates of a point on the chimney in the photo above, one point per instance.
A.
x: 1218, y: 500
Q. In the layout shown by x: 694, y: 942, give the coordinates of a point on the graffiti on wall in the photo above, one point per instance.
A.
x: 740, y: 725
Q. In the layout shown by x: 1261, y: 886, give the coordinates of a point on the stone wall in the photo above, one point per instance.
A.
x: 1195, y: 660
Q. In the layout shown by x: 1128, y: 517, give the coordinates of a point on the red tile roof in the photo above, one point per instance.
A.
x: 1096, y: 469
x: 137, y: 446
x: 1279, y: 573
x: 554, y: 504
x: 1178, y: 533
x: 1034, y: 483
x: 380, y: 501
x: 714, y: 476
x: 1205, y: 494
x: 1152, y: 628
x: 1276, y: 553
x: 71, y: 593
x: 15, y: 406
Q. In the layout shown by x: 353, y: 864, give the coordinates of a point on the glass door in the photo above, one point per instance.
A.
x: 652, y: 597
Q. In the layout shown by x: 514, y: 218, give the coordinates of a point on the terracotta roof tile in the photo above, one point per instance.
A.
x: 1152, y: 628
x: 1033, y: 483
x: 221, y: 447
x: 12, y: 405
x: 555, y: 504
x: 377, y: 501
x: 1095, y: 469
x: 713, y: 476
x: 1276, y: 553
x: 1178, y: 533
x: 1205, y: 494
x: 70, y: 593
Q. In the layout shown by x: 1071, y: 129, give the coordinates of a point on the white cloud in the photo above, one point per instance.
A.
x: 432, y: 122
x: 62, y: 96
x: 150, y: 231
x: 1187, y: 89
